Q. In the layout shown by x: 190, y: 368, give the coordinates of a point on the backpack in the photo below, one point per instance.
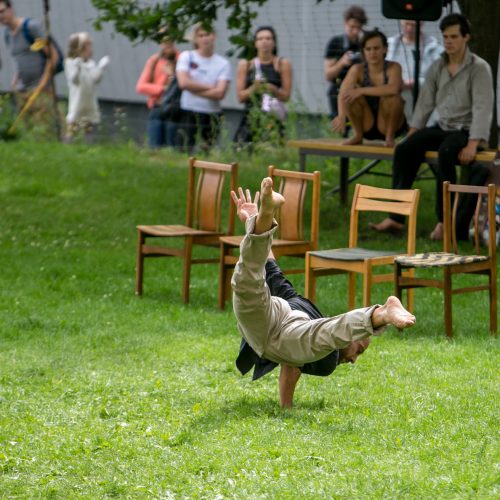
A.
x: 30, y: 39
x: 170, y: 107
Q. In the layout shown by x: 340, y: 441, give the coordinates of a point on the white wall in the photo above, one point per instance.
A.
x: 303, y: 29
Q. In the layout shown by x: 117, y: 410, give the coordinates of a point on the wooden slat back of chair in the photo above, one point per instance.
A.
x: 293, y: 185
x: 450, y: 216
x: 396, y: 201
x: 205, y: 189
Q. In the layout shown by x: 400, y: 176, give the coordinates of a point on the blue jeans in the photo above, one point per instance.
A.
x: 161, y: 132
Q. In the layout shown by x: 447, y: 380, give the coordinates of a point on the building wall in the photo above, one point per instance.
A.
x: 303, y: 29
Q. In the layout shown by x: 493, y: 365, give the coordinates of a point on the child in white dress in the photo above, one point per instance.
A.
x: 82, y: 74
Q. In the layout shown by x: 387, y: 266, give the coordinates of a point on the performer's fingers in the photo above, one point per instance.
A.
x: 242, y: 195
x: 249, y: 196
x: 234, y: 196
x: 256, y: 199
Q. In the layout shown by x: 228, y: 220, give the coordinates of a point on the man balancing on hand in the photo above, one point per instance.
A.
x: 281, y: 327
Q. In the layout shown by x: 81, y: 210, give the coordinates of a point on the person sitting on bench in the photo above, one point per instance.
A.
x: 459, y: 85
x: 370, y: 95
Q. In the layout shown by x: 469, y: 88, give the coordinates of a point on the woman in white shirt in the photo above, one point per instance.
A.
x: 204, y: 77
x: 82, y: 74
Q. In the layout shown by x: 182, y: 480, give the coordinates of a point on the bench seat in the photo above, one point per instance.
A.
x: 370, y: 150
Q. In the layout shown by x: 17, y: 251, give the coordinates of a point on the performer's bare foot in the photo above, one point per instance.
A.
x: 387, y: 226
x: 392, y: 313
x: 438, y: 232
x: 269, y: 202
x: 355, y: 139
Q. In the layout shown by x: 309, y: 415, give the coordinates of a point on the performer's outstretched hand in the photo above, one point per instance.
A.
x: 245, y: 207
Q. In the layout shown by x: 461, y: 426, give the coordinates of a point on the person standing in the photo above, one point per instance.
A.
x: 459, y: 85
x: 82, y: 74
x: 33, y: 68
x: 342, y: 52
x: 158, y: 74
x: 264, y: 78
x: 401, y: 49
x: 204, y: 78
x: 20, y: 34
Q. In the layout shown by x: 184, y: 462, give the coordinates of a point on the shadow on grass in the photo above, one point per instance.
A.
x: 241, y: 412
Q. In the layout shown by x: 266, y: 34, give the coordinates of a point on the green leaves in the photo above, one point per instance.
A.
x: 139, y: 23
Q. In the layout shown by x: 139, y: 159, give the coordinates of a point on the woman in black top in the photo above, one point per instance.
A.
x: 264, y: 84
x: 370, y: 95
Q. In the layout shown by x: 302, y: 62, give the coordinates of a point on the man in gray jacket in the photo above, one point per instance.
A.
x: 459, y: 85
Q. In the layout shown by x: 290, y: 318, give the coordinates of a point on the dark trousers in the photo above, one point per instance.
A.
x: 204, y: 125
x: 410, y: 154
x: 279, y: 286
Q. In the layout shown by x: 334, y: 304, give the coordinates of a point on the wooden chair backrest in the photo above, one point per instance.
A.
x: 450, y: 216
x: 205, y: 189
x: 293, y: 186
x: 396, y: 201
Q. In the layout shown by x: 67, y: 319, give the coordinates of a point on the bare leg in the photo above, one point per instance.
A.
x: 356, y: 114
x: 438, y: 232
x: 392, y: 313
x: 390, y: 117
x: 269, y: 201
x: 289, y: 376
x: 387, y: 226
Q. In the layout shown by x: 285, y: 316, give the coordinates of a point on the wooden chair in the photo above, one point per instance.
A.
x: 203, y: 221
x: 354, y: 260
x: 453, y: 263
x: 290, y: 239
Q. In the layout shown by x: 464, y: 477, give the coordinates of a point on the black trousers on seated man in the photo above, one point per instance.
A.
x: 410, y: 154
x: 279, y: 286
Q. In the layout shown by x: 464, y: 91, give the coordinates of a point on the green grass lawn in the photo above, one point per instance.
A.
x: 103, y: 394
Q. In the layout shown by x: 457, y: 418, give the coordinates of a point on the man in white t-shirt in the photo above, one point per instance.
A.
x: 204, y: 79
x: 401, y: 49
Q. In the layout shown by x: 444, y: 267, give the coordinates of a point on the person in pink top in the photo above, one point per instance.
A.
x: 157, y: 75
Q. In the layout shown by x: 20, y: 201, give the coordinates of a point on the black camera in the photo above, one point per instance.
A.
x: 356, y: 57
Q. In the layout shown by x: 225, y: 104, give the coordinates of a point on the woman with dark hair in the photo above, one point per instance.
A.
x: 370, y: 95
x: 263, y: 84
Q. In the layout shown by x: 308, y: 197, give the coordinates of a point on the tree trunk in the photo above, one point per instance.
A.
x: 484, y: 16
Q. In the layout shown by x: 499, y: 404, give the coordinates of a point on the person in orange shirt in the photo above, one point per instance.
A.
x: 157, y: 75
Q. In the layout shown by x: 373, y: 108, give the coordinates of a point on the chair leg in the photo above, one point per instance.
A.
x: 139, y: 266
x: 411, y: 294
x: 186, y: 274
x: 367, y: 283
x: 447, y: 304
x: 398, y: 291
x: 351, y: 290
x: 222, y: 277
x: 310, y: 281
x: 493, y: 301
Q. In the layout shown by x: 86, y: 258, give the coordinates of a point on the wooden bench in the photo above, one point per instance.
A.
x: 370, y: 150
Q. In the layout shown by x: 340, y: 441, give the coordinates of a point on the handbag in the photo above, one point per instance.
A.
x: 270, y: 104
x: 273, y: 105
x: 170, y: 107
